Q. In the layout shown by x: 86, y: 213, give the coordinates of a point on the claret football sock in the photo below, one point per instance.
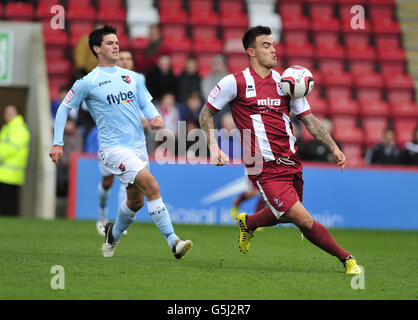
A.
x: 125, y: 217
x: 161, y: 218
x: 263, y: 218
x: 320, y: 236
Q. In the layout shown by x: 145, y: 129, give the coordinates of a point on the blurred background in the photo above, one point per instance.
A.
x: 366, y: 76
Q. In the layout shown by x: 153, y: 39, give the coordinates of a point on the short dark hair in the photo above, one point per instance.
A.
x: 96, y: 36
x: 249, y: 36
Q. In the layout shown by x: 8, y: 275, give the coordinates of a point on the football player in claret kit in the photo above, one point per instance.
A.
x: 114, y: 97
x: 259, y: 106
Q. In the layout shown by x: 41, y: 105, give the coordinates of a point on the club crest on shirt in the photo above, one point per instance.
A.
x: 127, y: 79
x: 277, y: 202
x: 122, y: 167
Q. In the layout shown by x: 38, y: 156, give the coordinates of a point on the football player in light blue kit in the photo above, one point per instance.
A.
x: 125, y: 61
x: 114, y: 97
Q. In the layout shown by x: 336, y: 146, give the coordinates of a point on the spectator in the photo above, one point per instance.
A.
x: 314, y: 150
x: 189, y: 80
x: 193, y: 106
x: 84, y: 60
x: 229, y: 137
x: 219, y: 71
x: 409, y: 154
x: 385, y: 152
x: 14, y: 151
x: 161, y: 78
x: 168, y: 110
x: 149, y: 58
x: 73, y: 141
x: 57, y: 101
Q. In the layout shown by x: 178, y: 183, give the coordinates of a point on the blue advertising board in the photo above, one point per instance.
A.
x: 203, y: 194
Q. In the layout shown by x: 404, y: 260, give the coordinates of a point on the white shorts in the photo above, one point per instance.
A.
x: 103, y: 171
x: 125, y: 163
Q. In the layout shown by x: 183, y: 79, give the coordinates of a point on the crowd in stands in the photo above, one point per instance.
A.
x: 181, y: 97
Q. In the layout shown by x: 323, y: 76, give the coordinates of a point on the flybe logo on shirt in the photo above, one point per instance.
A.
x: 122, y: 97
x: 269, y: 102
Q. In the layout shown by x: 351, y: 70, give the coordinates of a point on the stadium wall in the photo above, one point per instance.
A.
x: 28, y: 72
x: 371, y: 198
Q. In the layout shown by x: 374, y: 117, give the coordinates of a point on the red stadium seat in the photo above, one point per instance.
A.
x: 170, y: 5
x: 399, y: 81
x: 330, y: 65
x: 124, y: 41
x: 361, y: 66
x: 321, y: 9
x: 325, y: 37
x: 178, y: 61
x: 294, y: 8
x: 404, y: 129
x: 386, y: 26
x: 319, y: 105
x: 295, y: 36
x: 79, y: 29
x: 205, y: 61
x: 80, y: 11
x: 337, y: 78
x: 175, y: 38
x: 392, y: 67
x: 374, y: 108
x: 367, y: 80
x: 291, y: 22
x: 345, y: 134
x: 399, y: 95
x: 168, y: 16
x: 233, y: 19
x: 356, y: 38
x: 233, y: 33
x: 298, y: 49
x: 202, y: 13
x: 343, y: 106
x: 205, y: 40
x: 19, y: 11
x: 116, y: 4
x: 405, y: 109
x: 237, y: 63
x: 115, y: 16
x: 56, y: 42
x: 353, y: 153
x: 230, y: 6
x: 379, y: 12
x: 301, y: 61
x: 325, y: 23
x: 331, y: 50
x: 139, y: 44
x: 335, y: 92
x: 360, y: 52
x: 372, y: 129
x: 344, y: 121
x: 368, y: 94
x: 391, y: 54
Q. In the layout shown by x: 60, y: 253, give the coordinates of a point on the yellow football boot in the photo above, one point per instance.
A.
x: 351, y: 266
x: 245, y: 235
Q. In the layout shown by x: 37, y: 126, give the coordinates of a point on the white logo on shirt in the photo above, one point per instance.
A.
x: 269, y: 102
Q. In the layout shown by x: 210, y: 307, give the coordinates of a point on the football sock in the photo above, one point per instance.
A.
x: 320, y: 236
x: 263, y: 218
x: 125, y: 217
x: 103, y: 197
x: 161, y: 218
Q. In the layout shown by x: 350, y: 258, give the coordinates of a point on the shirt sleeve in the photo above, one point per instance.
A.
x: 223, y: 93
x: 144, y: 98
x: 300, y: 107
x: 77, y: 94
x: 59, y: 124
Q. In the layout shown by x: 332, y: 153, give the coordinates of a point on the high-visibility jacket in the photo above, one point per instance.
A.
x: 14, y: 151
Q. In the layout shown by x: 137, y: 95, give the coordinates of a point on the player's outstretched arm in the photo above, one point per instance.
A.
x: 218, y: 157
x: 59, y: 126
x: 315, y: 128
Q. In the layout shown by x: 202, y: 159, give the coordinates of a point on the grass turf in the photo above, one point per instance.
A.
x: 280, y: 265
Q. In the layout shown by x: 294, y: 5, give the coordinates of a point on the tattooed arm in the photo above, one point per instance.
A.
x: 316, y: 129
x: 218, y: 157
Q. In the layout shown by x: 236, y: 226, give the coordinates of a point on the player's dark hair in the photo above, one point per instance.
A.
x: 96, y: 36
x: 248, y: 39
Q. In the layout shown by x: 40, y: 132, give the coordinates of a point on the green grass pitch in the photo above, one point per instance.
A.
x: 280, y: 265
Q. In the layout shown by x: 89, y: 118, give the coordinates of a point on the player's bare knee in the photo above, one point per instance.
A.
x: 107, y: 182
x: 135, y: 205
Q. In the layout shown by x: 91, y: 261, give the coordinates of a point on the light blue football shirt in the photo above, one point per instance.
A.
x: 115, y: 98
